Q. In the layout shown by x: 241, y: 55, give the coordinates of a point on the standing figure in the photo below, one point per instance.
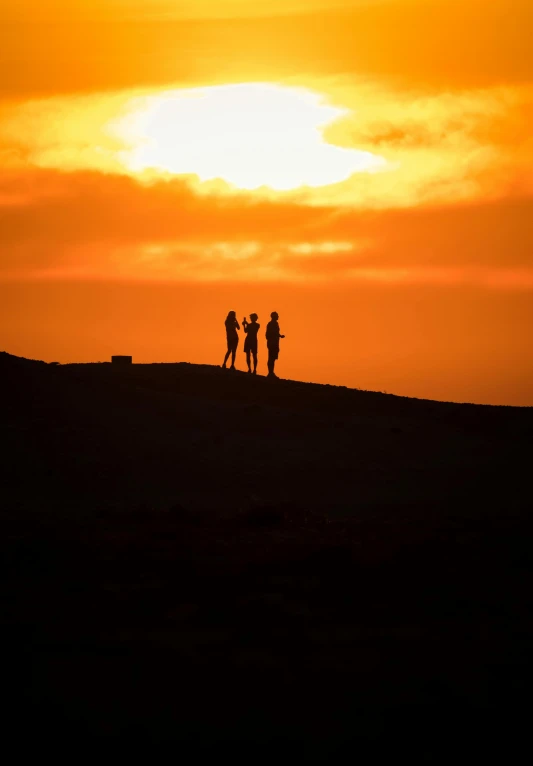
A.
x: 250, y: 344
x: 232, y: 337
x: 273, y: 335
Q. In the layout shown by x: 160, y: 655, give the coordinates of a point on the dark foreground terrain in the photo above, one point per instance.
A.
x: 209, y: 564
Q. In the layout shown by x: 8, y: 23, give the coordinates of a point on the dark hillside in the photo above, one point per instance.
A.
x: 209, y: 559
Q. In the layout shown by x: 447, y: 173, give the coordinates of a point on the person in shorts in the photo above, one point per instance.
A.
x: 250, y: 344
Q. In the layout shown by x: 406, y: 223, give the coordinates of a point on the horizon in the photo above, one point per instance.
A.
x: 126, y: 361
x: 363, y: 168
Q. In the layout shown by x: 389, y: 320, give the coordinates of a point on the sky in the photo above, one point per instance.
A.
x: 364, y: 168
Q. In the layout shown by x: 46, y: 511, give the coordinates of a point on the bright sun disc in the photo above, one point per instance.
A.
x: 250, y: 135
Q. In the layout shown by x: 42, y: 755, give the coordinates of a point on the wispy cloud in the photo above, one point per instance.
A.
x: 110, y: 227
x: 430, y: 149
x: 322, y: 248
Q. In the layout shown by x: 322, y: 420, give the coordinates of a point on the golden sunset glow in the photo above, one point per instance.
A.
x: 369, y: 161
x: 250, y: 135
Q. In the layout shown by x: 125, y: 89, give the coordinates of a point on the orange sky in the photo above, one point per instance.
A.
x: 362, y: 167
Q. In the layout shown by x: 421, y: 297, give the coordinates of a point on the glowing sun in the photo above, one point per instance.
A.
x: 250, y: 135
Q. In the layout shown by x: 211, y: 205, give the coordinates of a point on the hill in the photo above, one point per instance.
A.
x: 212, y: 559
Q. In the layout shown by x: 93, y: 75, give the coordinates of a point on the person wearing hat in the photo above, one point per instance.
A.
x: 232, y: 338
x: 273, y: 335
x: 250, y: 344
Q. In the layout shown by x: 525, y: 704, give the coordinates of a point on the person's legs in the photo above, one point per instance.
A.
x: 233, y: 352
x: 228, y: 352
x: 271, y: 361
x: 255, y: 362
x: 248, y: 360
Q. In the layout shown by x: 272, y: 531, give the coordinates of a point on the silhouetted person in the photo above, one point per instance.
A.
x: 232, y: 337
x: 250, y: 344
x: 273, y: 335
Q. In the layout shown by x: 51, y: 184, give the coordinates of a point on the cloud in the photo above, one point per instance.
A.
x: 312, y: 248
x: 433, y: 149
x: 86, y: 225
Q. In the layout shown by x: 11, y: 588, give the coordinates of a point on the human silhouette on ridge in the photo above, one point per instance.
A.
x: 273, y: 335
x: 232, y: 338
x: 250, y: 344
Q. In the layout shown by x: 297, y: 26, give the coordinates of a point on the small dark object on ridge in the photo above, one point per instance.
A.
x: 54, y: 364
x: 122, y: 360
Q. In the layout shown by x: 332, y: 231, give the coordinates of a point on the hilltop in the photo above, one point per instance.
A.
x: 207, y: 438
x: 209, y: 558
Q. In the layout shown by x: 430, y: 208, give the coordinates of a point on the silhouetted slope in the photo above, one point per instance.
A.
x: 203, y: 558
x: 97, y: 435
